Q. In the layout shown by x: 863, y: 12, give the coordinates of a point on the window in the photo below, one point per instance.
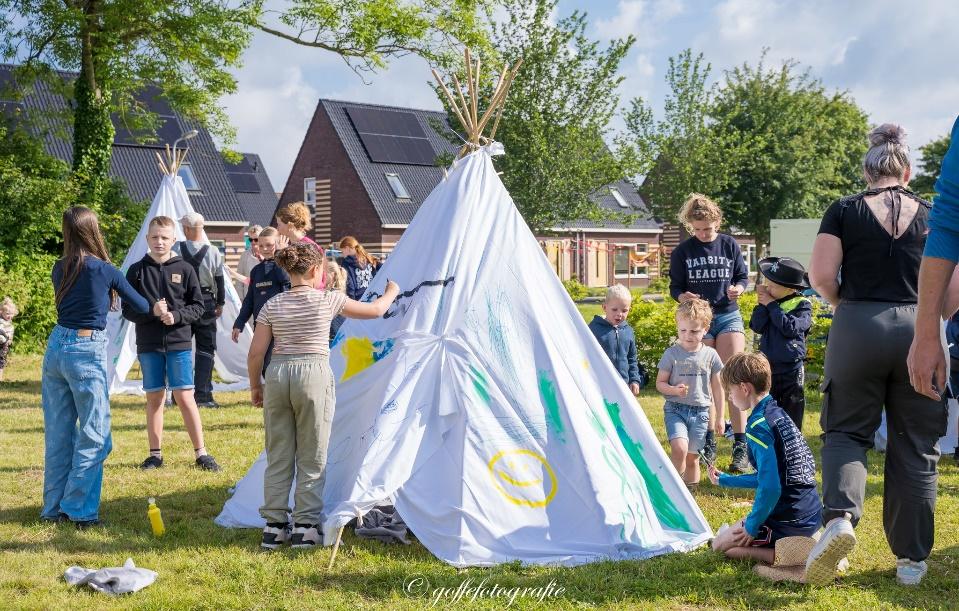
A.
x: 219, y: 245
x: 399, y: 190
x: 185, y: 172
x: 618, y: 196
x: 309, y: 191
x: 631, y: 260
x: 749, y: 255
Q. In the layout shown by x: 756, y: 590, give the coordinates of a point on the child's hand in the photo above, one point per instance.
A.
x: 734, y: 291
x: 714, y: 474
x: 256, y: 396
x: 741, y: 537
x: 159, y: 308
x: 634, y: 387
x: 762, y: 293
x: 167, y: 319
x: 235, y: 336
x: 682, y: 390
x: 719, y: 427
x: 282, y: 242
x: 392, y: 286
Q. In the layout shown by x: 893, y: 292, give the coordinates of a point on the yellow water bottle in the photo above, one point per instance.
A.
x: 156, y: 520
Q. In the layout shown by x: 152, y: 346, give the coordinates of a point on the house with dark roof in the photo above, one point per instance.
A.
x: 228, y: 196
x: 365, y: 169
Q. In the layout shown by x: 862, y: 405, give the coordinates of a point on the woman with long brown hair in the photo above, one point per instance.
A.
x: 75, y: 392
x: 360, y: 267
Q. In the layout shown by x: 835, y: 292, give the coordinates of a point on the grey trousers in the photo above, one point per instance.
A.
x: 298, y: 404
x: 866, y: 371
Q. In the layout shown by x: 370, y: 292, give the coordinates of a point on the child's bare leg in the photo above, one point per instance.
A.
x: 155, y: 418
x: 763, y: 554
x: 691, y: 472
x: 191, y: 416
x: 677, y: 453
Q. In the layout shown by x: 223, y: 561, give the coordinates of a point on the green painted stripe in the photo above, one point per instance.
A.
x: 757, y: 441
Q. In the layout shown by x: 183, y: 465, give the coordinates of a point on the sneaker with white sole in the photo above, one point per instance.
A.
x: 306, y: 536
x: 834, y: 545
x: 910, y: 572
x: 275, y: 534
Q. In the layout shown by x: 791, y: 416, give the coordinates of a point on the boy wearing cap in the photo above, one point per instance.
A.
x: 784, y: 317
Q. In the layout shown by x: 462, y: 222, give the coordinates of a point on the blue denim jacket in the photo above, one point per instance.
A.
x: 619, y: 344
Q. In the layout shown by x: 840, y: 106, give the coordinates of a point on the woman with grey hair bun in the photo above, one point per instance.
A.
x: 876, y: 239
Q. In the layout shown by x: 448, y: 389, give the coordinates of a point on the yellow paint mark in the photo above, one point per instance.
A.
x: 358, y: 354
x: 586, y: 364
x: 518, y: 457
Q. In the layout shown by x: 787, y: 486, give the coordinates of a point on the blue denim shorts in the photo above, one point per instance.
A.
x: 730, y: 322
x: 689, y: 422
x: 163, y: 370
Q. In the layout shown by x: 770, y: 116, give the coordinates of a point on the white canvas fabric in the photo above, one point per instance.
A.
x: 172, y: 200
x: 482, y: 406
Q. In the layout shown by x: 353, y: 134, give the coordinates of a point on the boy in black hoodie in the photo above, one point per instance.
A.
x: 165, y: 342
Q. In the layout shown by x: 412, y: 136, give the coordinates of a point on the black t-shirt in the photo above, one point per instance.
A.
x: 875, y: 265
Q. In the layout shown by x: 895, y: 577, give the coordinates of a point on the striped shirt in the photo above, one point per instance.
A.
x: 300, y: 320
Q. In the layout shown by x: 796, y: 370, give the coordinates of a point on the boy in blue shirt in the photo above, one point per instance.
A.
x: 784, y: 317
x: 616, y: 337
x: 787, y: 503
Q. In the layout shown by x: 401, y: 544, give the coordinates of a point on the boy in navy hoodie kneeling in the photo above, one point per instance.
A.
x: 617, y: 339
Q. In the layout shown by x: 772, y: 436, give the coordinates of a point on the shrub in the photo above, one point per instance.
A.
x: 575, y: 289
x: 27, y: 282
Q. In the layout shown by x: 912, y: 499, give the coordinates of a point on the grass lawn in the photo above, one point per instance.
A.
x: 202, y: 566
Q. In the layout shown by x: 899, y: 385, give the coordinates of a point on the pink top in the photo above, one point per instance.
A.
x: 321, y: 281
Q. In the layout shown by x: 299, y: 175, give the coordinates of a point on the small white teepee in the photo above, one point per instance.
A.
x: 172, y: 200
x: 482, y: 406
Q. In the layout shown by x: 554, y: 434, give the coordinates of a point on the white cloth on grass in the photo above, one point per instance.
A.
x: 115, y: 580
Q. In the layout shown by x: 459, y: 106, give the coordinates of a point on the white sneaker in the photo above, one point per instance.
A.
x: 306, y: 536
x: 909, y: 572
x: 275, y: 535
x: 834, y: 545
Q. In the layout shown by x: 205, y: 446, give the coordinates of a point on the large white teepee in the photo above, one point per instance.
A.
x: 172, y: 200
x: 484, y: 409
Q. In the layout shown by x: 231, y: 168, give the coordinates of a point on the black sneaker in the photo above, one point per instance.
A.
x: 60, y: 518
x: 740, y: 462
x: 87, y: 524
x: 207, y: 463
x: 209, y: 404
x: 275, y: 534
x: 709, y: 449
x: 152, y: 462
x: 306, y: 536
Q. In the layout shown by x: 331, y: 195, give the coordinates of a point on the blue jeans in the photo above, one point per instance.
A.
x: 730, y: 322
x: 690, y: 422
x: 76, y: 423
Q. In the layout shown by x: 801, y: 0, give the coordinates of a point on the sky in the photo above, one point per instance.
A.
x: 896, y: 59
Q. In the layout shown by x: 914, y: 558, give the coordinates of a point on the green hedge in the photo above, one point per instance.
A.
x: 655, y: 326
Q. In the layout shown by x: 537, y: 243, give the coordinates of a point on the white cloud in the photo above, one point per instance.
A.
x: 641, y: 18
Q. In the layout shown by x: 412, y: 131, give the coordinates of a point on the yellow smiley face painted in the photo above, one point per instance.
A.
x: 519, y: 476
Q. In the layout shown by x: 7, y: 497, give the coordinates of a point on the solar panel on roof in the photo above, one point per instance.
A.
x: 385, y: 122
x: 243, y: 167
x: 243, y: 182
x: 167, y: 133
x: 391, y: 136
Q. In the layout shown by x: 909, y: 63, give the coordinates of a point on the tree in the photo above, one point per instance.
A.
x: 800, y: 147
x: 930, y: 166
x: 366, y: 34
x: 682, y: 150
x: 186, y: 49
x: 556, y: 119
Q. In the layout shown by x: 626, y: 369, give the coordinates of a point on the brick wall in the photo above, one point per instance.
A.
x: 323, y: 157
